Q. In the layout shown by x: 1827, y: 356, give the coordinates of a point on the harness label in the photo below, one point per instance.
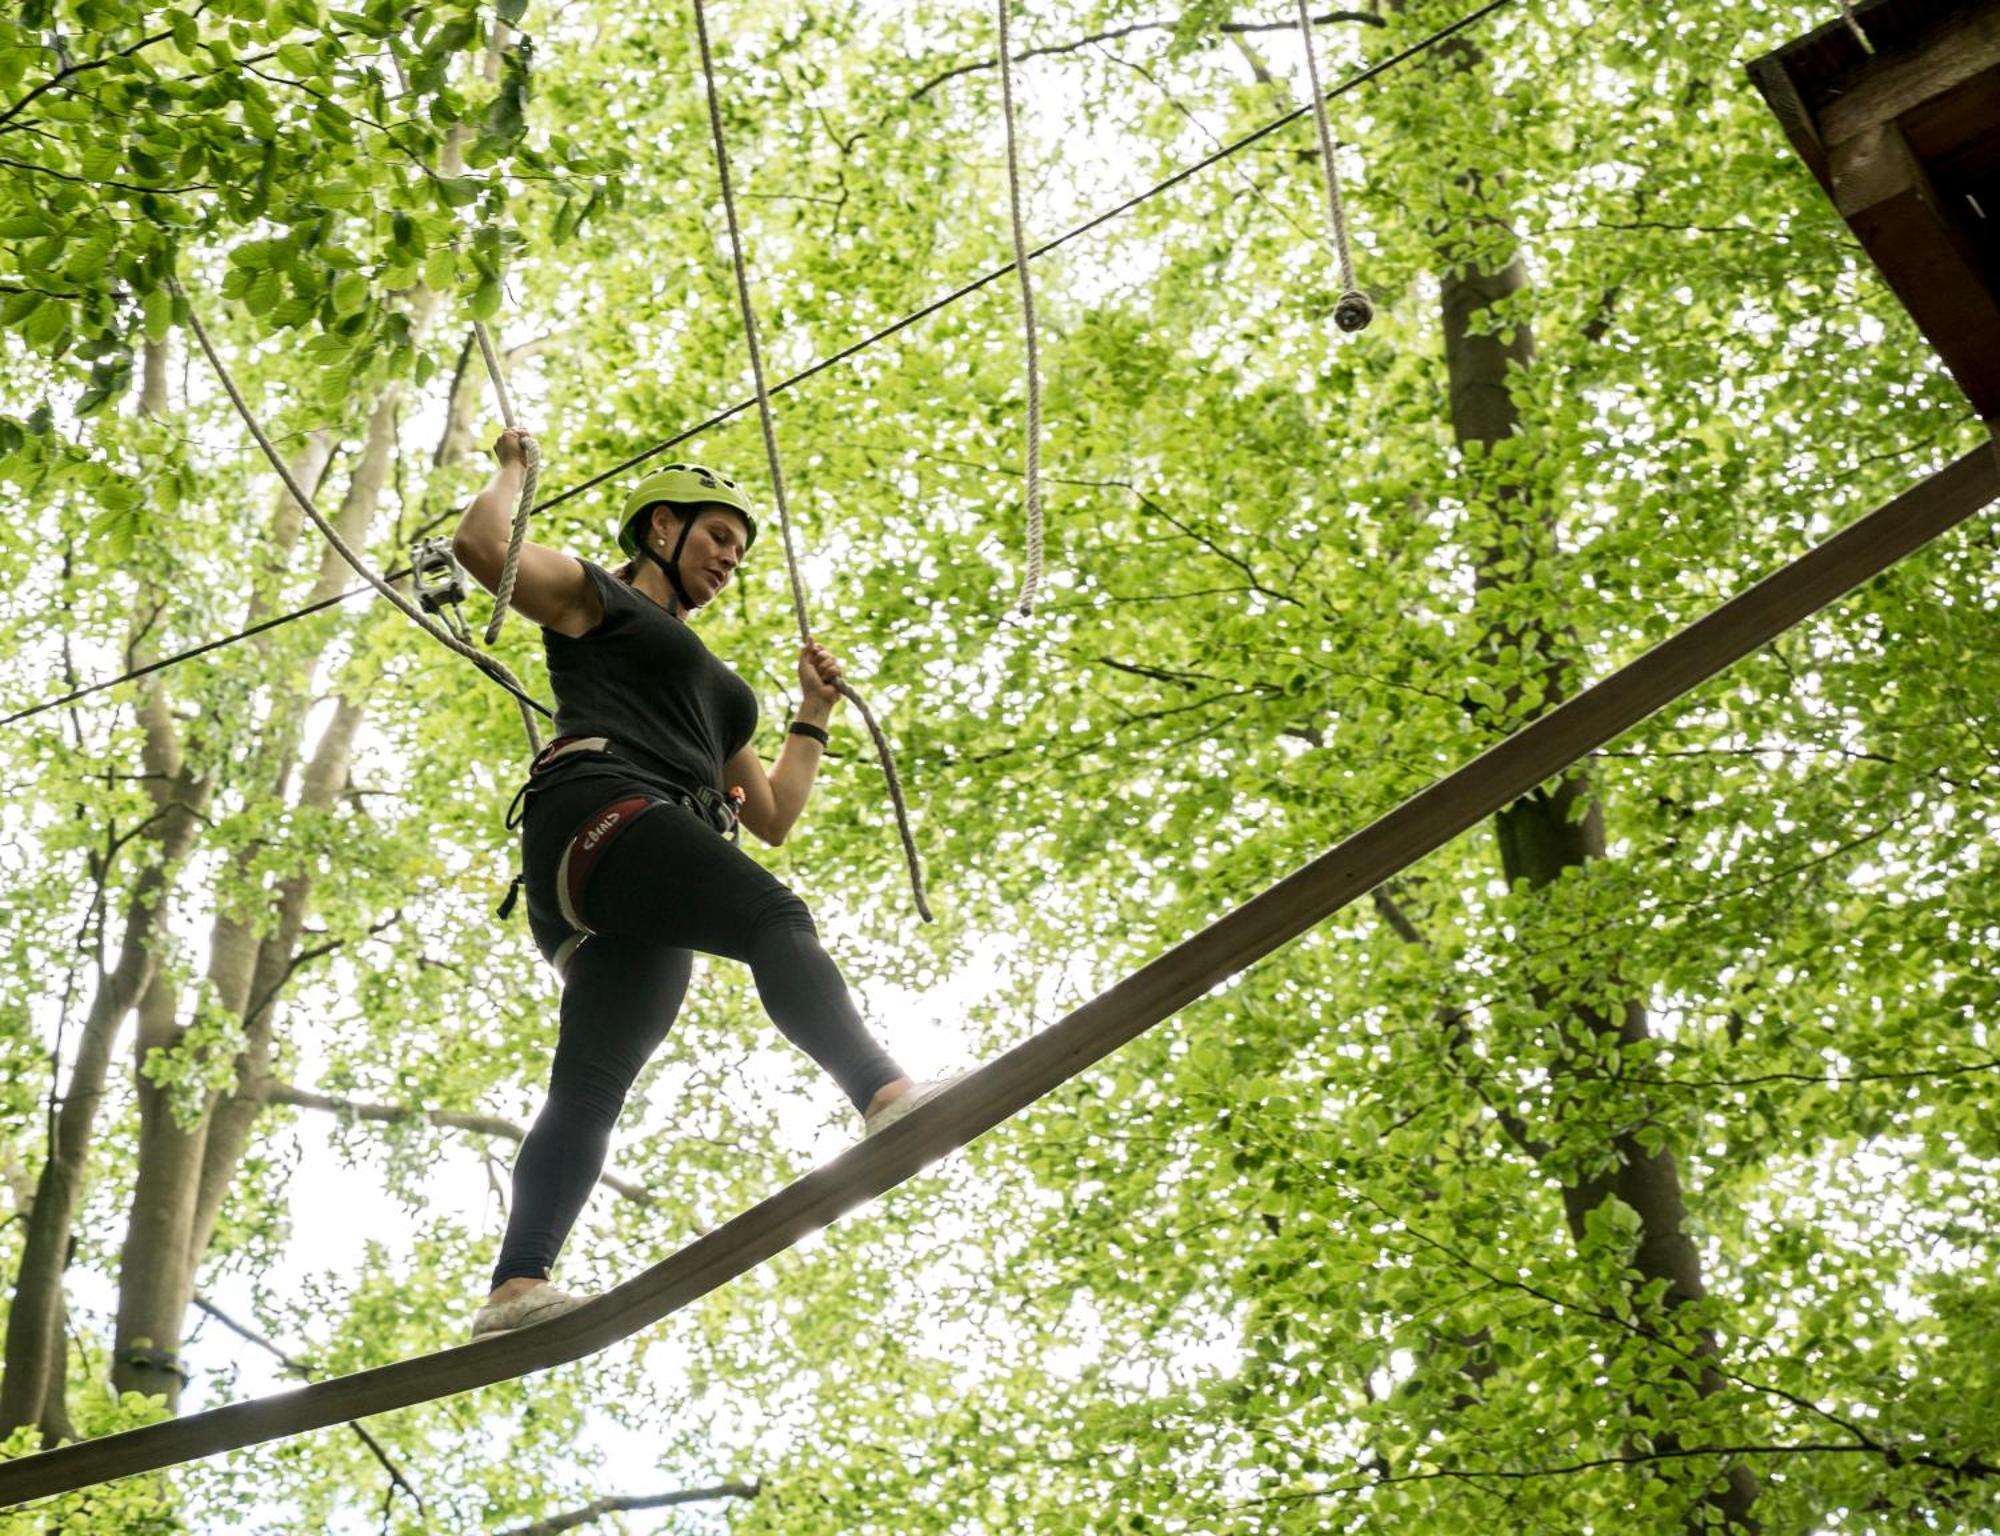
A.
x: 604, y: 825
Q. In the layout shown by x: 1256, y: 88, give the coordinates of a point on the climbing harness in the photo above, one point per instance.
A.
x: 767, y: 421
x: 721, y: 810
x: 1031, y: 576
x: 1352, y: 311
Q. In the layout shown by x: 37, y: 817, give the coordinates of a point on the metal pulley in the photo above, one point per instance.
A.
x: 436, y: 575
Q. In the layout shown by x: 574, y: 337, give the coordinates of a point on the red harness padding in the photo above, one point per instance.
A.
x: 580, y: 859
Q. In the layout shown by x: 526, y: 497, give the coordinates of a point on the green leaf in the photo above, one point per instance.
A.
x: 157, y: 305
x: 48, y: 321
x: 265, y: 289
x: 350, y: 292
x: 441, y: 269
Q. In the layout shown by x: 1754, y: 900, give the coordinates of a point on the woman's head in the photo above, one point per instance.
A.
x: 691, y: 522
x: 700, y: 545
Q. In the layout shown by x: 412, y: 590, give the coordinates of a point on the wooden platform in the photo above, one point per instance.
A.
x: 1906, y: 142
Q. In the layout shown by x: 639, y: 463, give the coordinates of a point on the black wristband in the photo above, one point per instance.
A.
x: 816, y: 733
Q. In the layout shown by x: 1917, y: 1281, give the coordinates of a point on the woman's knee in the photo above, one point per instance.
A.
x: 781, y: 910
x: 586, y: 1092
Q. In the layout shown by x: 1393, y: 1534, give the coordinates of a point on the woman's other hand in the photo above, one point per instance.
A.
x: 819, y: 675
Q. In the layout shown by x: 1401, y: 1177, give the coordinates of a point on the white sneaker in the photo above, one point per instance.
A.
x: 536, y: 1305
x: 923, y: 1093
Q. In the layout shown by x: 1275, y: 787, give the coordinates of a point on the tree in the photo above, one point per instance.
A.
x: 1615, y: 1168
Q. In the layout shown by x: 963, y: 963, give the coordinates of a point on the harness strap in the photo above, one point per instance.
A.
x: 580, y: 858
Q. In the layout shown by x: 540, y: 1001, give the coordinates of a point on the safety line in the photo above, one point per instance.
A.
x: 531, y: 479
x: 495, y: 669
x: 199, y: 650
x: 766, y: 418
x: 1536, y: 753
x: 1223, y: 152
x: 1031, y: 577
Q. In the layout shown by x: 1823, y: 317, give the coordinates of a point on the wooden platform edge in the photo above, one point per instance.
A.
x: 1452, y: 805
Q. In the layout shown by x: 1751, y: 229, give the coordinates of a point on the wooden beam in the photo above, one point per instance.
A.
x: 1906, y: 142
x: 1962, y: 46
x: 1922, y: 248
x: 1532, y: 755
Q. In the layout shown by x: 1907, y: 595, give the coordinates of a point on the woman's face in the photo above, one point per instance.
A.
x: 713, y: 550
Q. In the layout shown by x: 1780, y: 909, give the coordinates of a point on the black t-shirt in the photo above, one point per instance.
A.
x: 645, y: 680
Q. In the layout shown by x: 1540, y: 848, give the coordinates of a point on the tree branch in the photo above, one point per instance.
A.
x: 613, y: 1504
x: 1895, y: 1455
x: 1453, y: 1022
x: 301, y: 1369
x: 1114, y: 33
x: 68, y: 71
x: 1570, y: 1469
x: 444, y: 1119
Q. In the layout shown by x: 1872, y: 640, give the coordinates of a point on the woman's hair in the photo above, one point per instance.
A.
x: 630, y: 568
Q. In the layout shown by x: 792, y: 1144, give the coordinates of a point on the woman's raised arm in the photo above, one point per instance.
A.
x: 550, y: 587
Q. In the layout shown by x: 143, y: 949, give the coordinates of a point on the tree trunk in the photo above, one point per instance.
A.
x: 175, y: 1213
x: 32, y: 1382
x: 1554, y: 830
x: 180, y: 1175
x: 185, y: 1173
x: 31, y: 1385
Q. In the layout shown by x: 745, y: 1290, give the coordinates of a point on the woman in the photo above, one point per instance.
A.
x: 625, y: 859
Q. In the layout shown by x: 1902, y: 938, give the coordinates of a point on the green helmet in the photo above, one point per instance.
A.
x: 681, y: 485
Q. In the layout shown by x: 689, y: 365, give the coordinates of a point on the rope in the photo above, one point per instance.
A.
x: 767, y: 421
x: 532, y: 452
x: 1222, y: 152
x: 1854, y: 26
x: 1031, y: 579
x: 945, y: 301
x: 1352, y: 312
x: 487, y: 664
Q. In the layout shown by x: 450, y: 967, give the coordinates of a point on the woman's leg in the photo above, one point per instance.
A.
x: 619, y: 999
x: 669, y: 879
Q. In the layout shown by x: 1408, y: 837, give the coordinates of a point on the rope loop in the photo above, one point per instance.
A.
x: 767, y: 421
x: 1352, y: 311
x: 1031, y: 578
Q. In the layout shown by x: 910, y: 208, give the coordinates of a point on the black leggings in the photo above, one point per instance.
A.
x: 668, y: 885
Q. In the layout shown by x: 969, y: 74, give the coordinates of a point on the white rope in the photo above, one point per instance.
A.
x: 532, y: 453
x: 767, y: 420
x: 487, y: 664
x: 1031, y: 578
x: 1353, y: 311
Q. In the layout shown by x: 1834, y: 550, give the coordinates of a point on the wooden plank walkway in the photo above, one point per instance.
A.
x: 1454, y: 804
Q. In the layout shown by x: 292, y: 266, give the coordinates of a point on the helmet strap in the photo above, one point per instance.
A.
x: 671, y: 566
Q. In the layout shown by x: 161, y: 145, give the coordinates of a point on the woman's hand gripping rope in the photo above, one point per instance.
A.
x: 820, y: 676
